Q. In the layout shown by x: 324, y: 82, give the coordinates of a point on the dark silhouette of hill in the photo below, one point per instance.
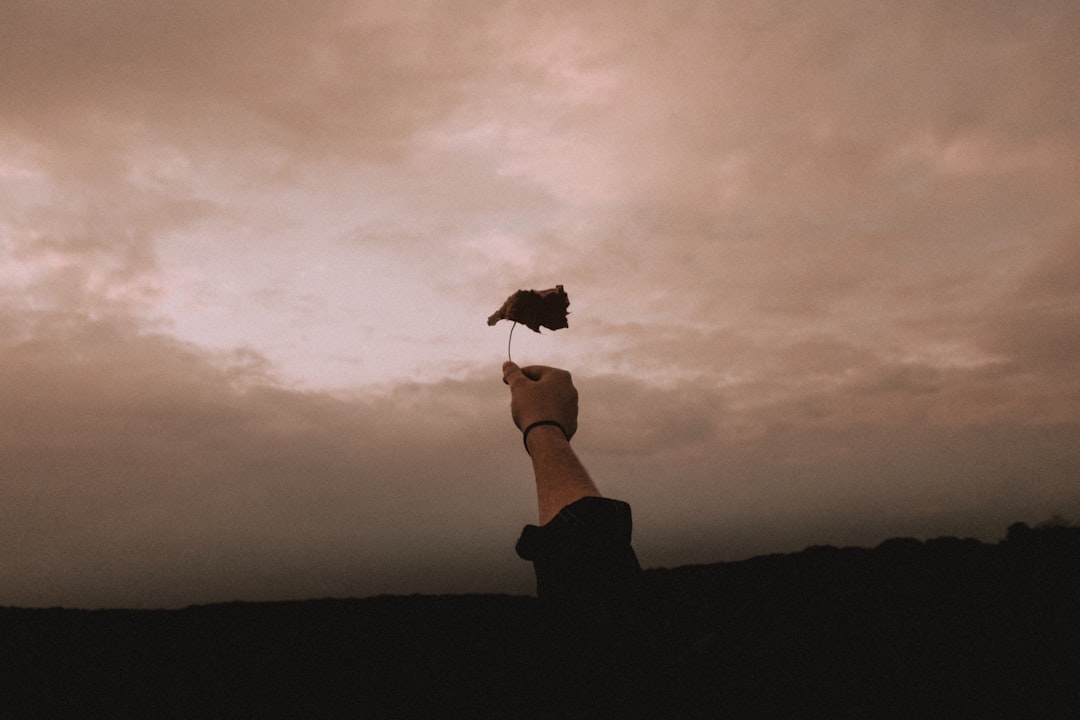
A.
x: 947, y: 628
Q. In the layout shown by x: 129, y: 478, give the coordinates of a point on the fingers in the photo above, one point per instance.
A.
x: 513, y: 373
x: 535, y: 372
x: 538, y: 393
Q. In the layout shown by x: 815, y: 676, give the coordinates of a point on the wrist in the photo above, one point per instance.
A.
x: 543, y: 428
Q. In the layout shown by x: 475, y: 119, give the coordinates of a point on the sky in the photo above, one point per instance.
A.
x: 823, y: 262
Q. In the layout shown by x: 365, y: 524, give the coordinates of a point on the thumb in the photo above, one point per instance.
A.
x: 511, y: 372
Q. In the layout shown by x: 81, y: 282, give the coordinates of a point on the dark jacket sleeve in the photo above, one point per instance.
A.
x: 583, y: 556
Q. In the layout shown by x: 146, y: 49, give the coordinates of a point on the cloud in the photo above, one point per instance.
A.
x: 141, y: 471
x: 821, y: 262
x: 890, y: 449
x: 325, y: 79
x: 1037, y: 326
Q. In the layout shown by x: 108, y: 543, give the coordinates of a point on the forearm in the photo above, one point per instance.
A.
x: 560, y: 477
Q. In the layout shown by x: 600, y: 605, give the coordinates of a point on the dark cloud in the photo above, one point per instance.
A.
x: 319, y: 82
x: 1038, y: 328
x: 138, y: 470
x: 141, y: 471
x: 891, y: 450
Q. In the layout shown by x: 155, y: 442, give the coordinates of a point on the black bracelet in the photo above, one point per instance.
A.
x: 538, y: 423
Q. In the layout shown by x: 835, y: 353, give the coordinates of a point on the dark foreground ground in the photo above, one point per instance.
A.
x: 946, y: 628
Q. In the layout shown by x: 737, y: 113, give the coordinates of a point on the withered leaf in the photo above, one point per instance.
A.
x: 535, y: 309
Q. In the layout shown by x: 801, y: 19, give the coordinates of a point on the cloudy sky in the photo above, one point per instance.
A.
x: 823, y: 262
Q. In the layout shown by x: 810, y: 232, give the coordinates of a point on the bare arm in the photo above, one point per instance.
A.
x: 547, y: 394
